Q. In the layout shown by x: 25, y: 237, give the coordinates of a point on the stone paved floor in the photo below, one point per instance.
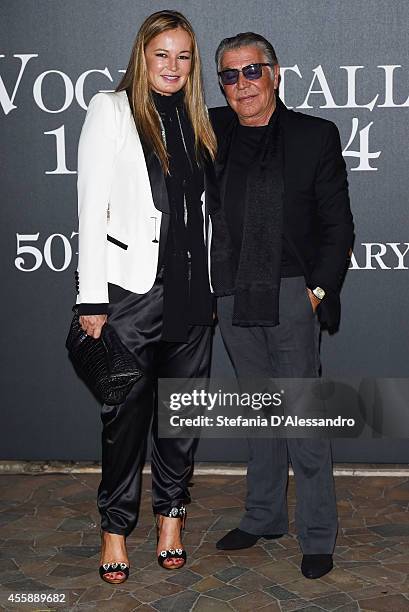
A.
x: 49, y: 540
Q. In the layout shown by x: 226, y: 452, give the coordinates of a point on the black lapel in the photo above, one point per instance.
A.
x: 224, y: 140
x: 157, y: 180
x: 285, y: 119
x: 211, y: 187
x: 155, y: 173
x: 159, y: 196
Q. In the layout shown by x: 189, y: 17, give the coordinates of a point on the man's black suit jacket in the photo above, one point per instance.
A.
x: 318, y: 226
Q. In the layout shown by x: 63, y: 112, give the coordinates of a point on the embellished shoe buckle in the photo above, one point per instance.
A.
x: 177, y: 512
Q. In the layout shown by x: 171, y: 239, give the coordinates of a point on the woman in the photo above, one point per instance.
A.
x: 143, y: 266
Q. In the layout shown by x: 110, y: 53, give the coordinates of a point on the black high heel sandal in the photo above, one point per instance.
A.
x: 173, y: 553
x: 115, y: 567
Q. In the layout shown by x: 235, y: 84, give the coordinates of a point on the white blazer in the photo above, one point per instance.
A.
x: 119, y: 225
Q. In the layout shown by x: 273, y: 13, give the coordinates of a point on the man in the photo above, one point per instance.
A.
x: 280, y: 247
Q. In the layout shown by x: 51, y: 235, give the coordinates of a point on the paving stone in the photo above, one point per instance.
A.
x: 333, y: 601
x: 9, y: 517
x: 347, y: 523
x: 147, y: 547
x: 77, y: 524
x: 149, y: 575
x: 207, y: 584
x: 206, y: 604
x: 254, y: 601
x: 225, y: 523
x: 59, y: 558
x: 310, y: 589
x: 141, y: 559
x: 252, y: 557
x: 70, y: 571
x: 344, y: 580
x: 272, y: 545
x: 120, y: 602
x: 58, y: 538
x: 251, y: 581
x: 146, y: 596
x: 399, y: 517
x: 403, y: 568
x: 291, y: 605
x: 311, y: 609
x: 223, y: 501
x: 389, y: 603
x: 351, y: 565
x: 210, y: 564
x: 96, y: 593
x: 11, y: 576
x: 231, y: 572
x: 77, y: 498
x: 379, y: 574
x: 389, y: 530
x: 205, y: 550
x: 8, y: 565
x: 280, y: 573
x: 280, y: 593
x: 373, y: 591
x: 387, y: 554
x: 80, y: 551
x: 359, y: 553
x: 184, y: 577
x: 176, y: 603
x: 192, y: 539
x: 74, y: 595
x: 288, y: 541
x: 225, y: 592
x: 167, y: 588
x: 26, y: 584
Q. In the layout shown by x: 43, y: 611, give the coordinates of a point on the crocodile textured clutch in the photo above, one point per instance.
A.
x: 105, y: 364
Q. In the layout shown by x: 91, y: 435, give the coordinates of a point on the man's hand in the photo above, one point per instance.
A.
x: 315, y: 302
x: 92, y: 324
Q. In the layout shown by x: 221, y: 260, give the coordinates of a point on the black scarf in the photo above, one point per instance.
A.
x: 187, y: 297
x: 255, y: 279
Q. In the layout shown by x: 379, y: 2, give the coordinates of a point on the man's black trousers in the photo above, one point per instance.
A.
x: 289, y: 350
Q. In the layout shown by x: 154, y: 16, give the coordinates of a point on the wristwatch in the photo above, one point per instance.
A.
x: 319, y: 293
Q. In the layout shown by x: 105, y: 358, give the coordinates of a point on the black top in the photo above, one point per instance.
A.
x: 244, y: 152
x: 187, y: 296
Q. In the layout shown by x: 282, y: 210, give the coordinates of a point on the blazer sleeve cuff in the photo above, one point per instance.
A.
x: 92, y: 309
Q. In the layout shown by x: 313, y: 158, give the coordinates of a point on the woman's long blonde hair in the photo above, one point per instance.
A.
x: 135, y: 82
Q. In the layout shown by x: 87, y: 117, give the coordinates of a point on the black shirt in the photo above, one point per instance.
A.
x: 243, y: 153
x: 187, y: 299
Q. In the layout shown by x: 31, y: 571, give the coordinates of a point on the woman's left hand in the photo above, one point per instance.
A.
x: 92, y: 324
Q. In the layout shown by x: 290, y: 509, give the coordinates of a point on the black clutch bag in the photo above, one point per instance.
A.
x: 105, y: 364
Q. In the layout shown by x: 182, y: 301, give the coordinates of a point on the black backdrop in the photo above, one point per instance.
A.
x: 346, y: 61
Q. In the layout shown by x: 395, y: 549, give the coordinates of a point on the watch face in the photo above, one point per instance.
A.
x: 319, y: 293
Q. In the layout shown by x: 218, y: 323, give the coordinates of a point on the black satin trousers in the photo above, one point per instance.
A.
x: 138, y: 321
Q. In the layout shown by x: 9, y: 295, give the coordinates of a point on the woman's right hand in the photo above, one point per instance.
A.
x: 92, y: 324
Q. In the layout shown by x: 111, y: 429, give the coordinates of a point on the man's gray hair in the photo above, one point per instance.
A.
x: 246, y: 39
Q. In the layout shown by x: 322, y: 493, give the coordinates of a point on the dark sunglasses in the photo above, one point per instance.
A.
x: 252, y: 72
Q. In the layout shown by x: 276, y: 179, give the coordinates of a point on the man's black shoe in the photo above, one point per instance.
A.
x: 237, y: 539
x: 315, y: 566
